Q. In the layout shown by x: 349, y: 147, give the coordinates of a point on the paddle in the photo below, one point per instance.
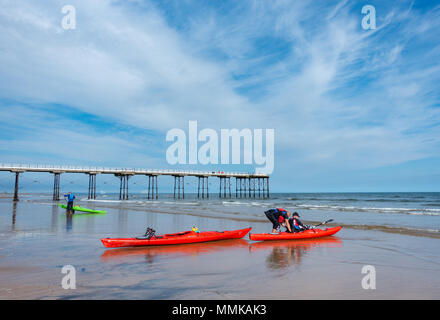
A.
x: 322, y: 223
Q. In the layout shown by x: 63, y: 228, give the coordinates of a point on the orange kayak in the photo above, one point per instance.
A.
x: 175, y: 238
x: 308, y: 234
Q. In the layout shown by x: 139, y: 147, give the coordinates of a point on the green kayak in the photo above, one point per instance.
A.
x: 78, y: 208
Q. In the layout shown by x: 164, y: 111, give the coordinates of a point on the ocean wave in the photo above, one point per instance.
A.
x: 431, y: 233
x: 236, y: 203
x: 414, y: 211
x: 248, y: 203
x: 432, y: 204
x: 323, y: 199
x: 413, y: 200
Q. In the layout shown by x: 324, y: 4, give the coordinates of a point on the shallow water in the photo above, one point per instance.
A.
x: 37, y: 239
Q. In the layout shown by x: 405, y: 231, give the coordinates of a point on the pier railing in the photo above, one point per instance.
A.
x: 107, y: 170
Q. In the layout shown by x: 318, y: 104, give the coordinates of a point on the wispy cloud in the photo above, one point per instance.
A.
x: 339, y: 97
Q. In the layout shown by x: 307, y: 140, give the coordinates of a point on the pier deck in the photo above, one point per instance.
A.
x: 246, y: 183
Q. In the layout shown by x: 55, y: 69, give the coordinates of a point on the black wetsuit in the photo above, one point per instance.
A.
x: 276, y: 216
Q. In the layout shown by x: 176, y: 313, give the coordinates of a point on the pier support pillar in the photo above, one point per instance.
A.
x: 156, y: 188
x: 236, y: 187
x: 207, y: 186
x: 92, y: 186
x: 56, y: 186
x: 239, y: 187
x: 259, y: 187
x: 126, y: 187
x: 243, y: 188
x: 202, y: 183
x: 267, y: 187
x: 225, y: 187
x: 123, y: 187
x: 220, y: 187
x: 16, y: 186
x: 179, y: 186
x: 152, y: 191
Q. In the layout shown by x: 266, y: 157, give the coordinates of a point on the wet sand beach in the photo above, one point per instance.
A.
x: 37, y: 239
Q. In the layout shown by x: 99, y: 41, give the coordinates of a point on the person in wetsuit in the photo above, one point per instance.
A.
x: 70, y: 197
x: 295, y: 224
x: 278, y: 217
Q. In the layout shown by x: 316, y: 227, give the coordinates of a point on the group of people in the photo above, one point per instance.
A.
x: 282, y: 217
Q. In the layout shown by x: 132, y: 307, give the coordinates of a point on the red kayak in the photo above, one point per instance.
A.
x: 175, y: 238
x: 308, y: 234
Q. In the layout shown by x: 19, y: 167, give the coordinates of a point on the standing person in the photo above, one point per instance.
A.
x: 278, y: 217
x: 295, y: 224
x: 70, y: 197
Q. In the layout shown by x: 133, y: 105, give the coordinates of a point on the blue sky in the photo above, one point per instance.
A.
x: 353, y: 109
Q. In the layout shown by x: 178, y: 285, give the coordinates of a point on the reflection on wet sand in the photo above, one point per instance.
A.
x: 14, y: 214
x: 174, y: 250
x: 286, y: 253
x: 69, y: 225
x: 54, y: 220
x: 70, y: 214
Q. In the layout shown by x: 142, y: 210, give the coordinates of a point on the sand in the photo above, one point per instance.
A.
x: 39, y: 240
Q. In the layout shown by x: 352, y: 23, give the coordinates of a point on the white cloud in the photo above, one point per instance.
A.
x: 338, y: 96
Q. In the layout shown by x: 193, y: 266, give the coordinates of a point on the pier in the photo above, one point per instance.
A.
x: 247, y: 185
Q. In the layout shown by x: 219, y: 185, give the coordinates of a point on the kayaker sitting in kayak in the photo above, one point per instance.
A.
x: 70, y: 197
x: 278, y: 217
x: 150, y: 233
x: 295, y: 224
